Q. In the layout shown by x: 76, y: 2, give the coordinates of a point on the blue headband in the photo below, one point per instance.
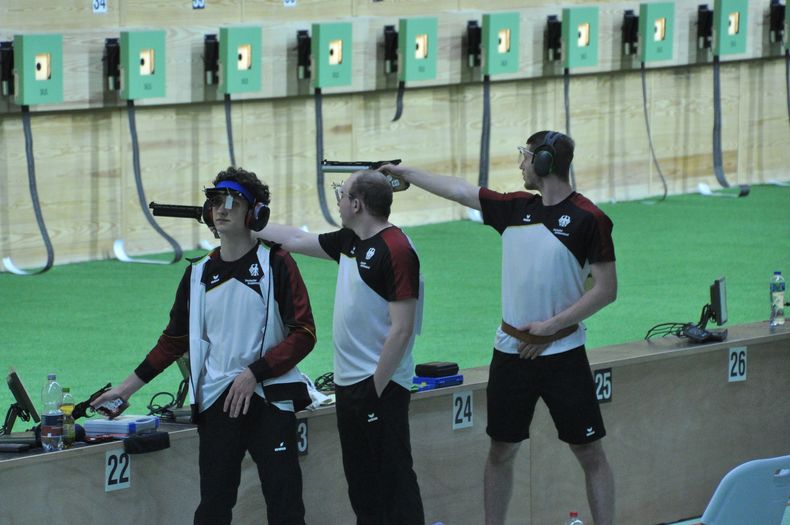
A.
x: 233, y: 185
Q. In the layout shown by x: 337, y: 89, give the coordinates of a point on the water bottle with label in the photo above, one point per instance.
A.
x: 573, y: 519
x: 777, y: 300
x: 52, y: 417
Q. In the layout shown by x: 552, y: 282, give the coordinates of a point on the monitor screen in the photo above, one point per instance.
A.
x: 20, y: 394
x: 718, y: 301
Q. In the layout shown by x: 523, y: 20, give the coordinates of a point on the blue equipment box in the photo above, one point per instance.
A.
x: 431, y: 383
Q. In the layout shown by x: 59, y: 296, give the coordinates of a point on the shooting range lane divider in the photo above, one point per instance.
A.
x: 319, y: 157
x: 649, y: 134
x: 31, y: 178
x: 229, y: 128
x: 118, y: 245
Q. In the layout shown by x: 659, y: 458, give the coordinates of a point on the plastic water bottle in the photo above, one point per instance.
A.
x: 777, y: 300
x: 52, y: 417
x: 573, y: 519
x: 67, y: 407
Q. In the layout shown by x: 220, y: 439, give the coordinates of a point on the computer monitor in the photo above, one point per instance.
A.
x: 718, y: 301
x: 716, y: 310
x: 23, y: 408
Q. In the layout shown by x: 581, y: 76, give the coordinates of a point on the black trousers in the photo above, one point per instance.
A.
x: 269, y: 434
x: 374, y: 437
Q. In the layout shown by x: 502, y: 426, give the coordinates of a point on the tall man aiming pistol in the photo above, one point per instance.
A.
x: 551, y: 242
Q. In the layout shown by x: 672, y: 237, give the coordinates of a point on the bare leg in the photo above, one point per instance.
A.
x: 498, y: 482
x: 599, y: 481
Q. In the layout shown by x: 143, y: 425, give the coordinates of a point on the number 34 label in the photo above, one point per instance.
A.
x: 117, y: 470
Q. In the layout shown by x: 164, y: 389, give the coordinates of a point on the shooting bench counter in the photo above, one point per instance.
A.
x: 678, y: 418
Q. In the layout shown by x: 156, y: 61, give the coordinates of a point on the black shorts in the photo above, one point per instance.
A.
x: 565, y: 383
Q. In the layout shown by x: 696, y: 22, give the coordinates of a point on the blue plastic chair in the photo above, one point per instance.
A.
x: 754, y: 493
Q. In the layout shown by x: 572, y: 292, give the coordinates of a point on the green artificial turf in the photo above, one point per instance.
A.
x: 92, y: 323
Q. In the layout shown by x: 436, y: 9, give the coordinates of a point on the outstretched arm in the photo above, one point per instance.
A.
x: 292, y: 240
x: 452, y: 188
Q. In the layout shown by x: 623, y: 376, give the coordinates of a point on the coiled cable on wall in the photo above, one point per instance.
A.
x: 229, y: 128
x: 31, y: 179
x: 649, y: 134
x: 319, y: 156
x: 787, y: 73
x: 485, y: 134
x: 566, y: 84
x: 399, y: 101
x: 118, y: 246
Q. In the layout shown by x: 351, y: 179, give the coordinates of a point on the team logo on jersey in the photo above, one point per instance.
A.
x: 371, y: 253
x: 564, y: 220
x: 254, y: 270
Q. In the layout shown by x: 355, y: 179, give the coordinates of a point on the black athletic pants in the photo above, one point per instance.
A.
x: 269, y: 434
x: 374, y: 437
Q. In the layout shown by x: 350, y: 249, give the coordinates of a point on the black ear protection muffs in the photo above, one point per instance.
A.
x: 257, y: 216
x: 544, y: 155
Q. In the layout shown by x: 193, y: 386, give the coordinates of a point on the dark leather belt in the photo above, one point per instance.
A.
x: 529, y: 338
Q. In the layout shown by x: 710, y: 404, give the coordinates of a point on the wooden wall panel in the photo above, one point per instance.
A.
x: 158, y: 13
x: 304, y: 10
x: 56, y: 15
x: 403, y: 8
x: 83, y: 149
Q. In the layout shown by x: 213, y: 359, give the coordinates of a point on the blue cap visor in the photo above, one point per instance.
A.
x: 232, y: 185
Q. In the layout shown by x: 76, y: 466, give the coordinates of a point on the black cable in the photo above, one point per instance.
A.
x: 181, y: 393
x: 325, y: 382
x: 229, y: 127
x: 787, y: 73
x: 31, y: 179
x: 161, y: 410
x: 649, y: 135
x: 566, y: 81
x: 399, y: 100
x: 718, y: 169
x: 138, y: 180
x: 319, y: 156
x: 665, y: 329
x: 176, y: 401
x: 485, y: 134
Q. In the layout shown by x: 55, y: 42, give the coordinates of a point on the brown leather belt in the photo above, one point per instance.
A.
x: 537, y: 339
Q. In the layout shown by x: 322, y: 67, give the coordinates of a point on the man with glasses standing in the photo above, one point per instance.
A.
x: 375, y: 320
x: 243, y: 314
x: 552, y: 242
